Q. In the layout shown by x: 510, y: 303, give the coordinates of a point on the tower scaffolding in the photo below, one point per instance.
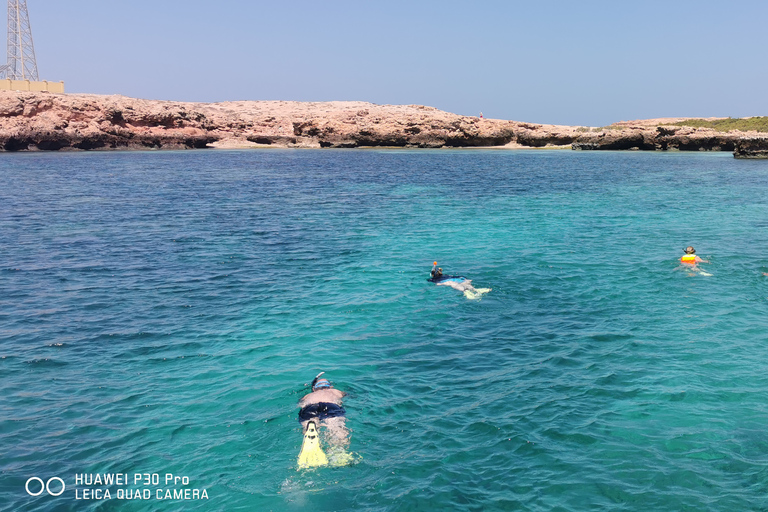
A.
x: 21, y: 63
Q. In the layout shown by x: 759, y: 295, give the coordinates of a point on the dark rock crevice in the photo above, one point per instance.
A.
x: 751, y: 148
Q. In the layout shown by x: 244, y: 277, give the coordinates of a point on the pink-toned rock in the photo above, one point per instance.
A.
x: 46, y: 121
x: 82, y: 121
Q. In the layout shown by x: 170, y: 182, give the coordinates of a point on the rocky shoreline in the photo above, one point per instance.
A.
x: 45, y: 121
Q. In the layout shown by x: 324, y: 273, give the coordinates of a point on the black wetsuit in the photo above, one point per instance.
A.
x: 321, y: 411
x: 443, y: 277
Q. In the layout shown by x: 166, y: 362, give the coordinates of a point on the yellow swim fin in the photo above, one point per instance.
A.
x: 476, y: 294
x: 311, y: 454
x: 341, y: 458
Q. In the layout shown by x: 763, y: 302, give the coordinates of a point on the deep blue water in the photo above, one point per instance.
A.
x: 163, y: 312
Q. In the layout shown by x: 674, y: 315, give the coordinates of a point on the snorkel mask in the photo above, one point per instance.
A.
x: 319, y: 383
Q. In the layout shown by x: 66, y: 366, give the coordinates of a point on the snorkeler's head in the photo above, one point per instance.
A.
x: 319, y: 383
x: 689, y: 250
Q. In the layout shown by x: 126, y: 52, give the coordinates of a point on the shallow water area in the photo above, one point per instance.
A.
x: 163, y: 313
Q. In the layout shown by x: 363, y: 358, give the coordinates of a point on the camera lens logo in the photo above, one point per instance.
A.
x: 45, y: 486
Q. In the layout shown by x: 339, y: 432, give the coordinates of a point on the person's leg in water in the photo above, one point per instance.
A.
x: 466, y: 286
x: 460, y: 286
x: 467, y: 289
x: 336, y: 436
x: 335, y: 430
x: 337, y: 433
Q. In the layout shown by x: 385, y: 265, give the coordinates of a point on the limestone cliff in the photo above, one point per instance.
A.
x: 50, y: 122
x: 45, y: 121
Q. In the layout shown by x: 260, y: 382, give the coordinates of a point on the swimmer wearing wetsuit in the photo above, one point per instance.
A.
x: 323, y: 407
x: 435, y: 274
x: 460, y: 283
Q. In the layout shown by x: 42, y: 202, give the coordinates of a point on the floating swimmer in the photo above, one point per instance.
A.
x: 460, y: 283
x: 690, y: 259
x: 322, y: 407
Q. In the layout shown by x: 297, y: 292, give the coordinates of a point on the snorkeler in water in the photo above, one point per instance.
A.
x: 459, y: 283
x: 435, y: 274
x: 322, y: 408
x: 690, y: 258
x: 690, y: 261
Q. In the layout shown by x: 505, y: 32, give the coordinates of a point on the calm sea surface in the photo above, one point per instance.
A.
x: 163, y: 312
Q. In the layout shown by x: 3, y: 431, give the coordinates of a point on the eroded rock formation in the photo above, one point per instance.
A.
x: 44, y: 121
x: 751, y: 147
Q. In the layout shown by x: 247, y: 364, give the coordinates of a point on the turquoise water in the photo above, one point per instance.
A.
x: 163, y: 312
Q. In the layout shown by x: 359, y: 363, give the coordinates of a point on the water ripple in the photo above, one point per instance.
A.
x: 164, y: 312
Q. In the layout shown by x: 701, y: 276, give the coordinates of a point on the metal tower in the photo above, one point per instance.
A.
x: 22, y: 64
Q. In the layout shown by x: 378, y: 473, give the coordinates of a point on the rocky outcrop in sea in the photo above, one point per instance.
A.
x: 751, y: 147
x: 45, y: 121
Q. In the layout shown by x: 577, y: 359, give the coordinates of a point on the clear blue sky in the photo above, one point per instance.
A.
x: 590, y: 62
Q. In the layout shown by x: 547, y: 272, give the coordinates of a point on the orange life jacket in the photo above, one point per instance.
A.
x: 688, y: 258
